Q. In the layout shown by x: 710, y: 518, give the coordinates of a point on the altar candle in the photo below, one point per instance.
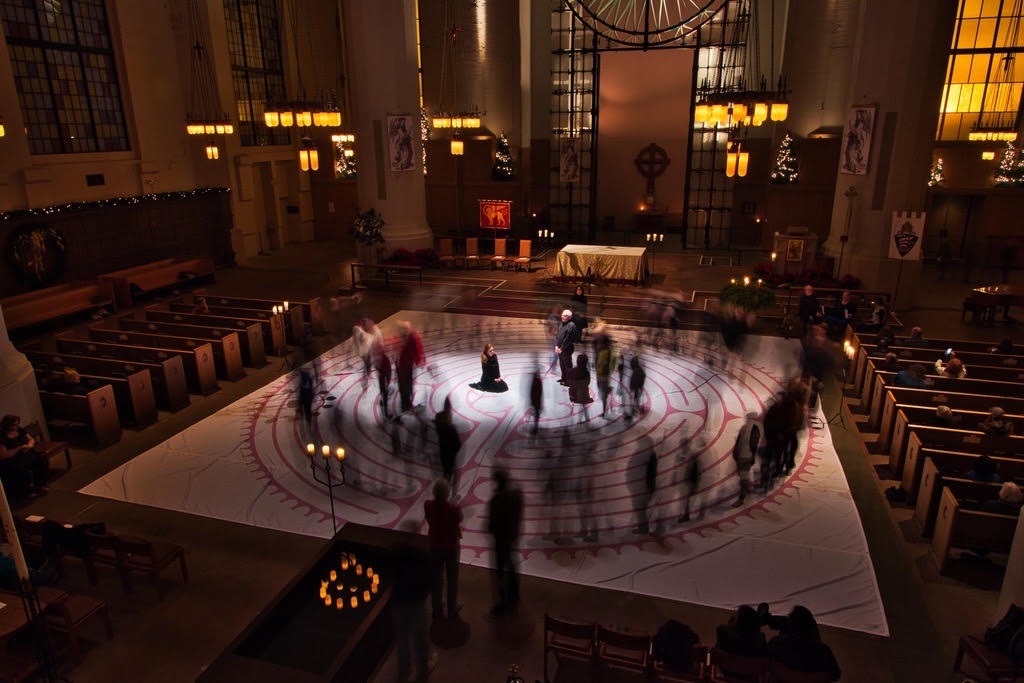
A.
x: 286, y: 306
x: 340, y: 453
x: 326, y: 450
x: 310, y: 448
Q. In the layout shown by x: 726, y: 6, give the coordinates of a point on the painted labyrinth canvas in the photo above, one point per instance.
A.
x: 648, y: 504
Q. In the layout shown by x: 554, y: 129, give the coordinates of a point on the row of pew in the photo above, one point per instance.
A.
x: 134, y: 365
x: 931, y: 458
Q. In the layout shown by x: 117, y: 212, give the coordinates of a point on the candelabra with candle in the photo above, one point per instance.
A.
x: 326, y: 468
x: 653, y: 239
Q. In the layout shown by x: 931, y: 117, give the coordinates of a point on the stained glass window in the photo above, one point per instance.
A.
x: 65, y: 75
x: 257, y: 73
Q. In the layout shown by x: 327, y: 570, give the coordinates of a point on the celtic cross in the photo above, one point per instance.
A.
x: 651, y: 162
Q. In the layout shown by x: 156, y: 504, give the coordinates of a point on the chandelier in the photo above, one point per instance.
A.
x: 323, y: 110
x: 450, y: 115
x: 999, y: 124
x: 204, y: 116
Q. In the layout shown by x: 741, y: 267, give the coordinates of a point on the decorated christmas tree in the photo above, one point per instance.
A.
x: 785, y: 171
x: 936, y: 174
x: 503, y: 168
x: 1011, y: 168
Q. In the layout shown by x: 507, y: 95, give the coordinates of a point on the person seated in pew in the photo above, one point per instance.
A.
x: 886, y: 338
x: 916, y: 338
x: 1005, y: 346
x: 912, y: 377
x: 996, y: 423
x: 985, y: 471
x: 23, y: 469
x: 66, y: 382
x: 798, y: 644
x: 1008, y: 502
x: 741, y: 635
x: 944, y: 417
x: 841, y: 315
x: 877, y: 319
x: 808, y: 307
x: 891, y: 363
x: 201, y: 306
x: 950, y: 366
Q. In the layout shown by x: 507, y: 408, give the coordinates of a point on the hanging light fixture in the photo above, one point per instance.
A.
x: 212, y: 152
x: 742, y: 161
x: 988, y: 155
x: 458, y: 148
x: 309, y: 157
x: 204, y: 116
x: 739, y: 111
x: 701, y: 112
x: 2, y: 131
x: 730, y: 160
x: 780, y: 110
x: 450, y: 115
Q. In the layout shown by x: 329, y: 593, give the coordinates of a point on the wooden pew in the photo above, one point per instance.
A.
x: 206, y: 333
x: 960, y: 442
x: 250, y: 336
x: 155, y: 276
x: 929, y: 397
x: 294, y: 318
x: 929, y: 495
x: 88, y: 421
x: 956, y: 527
x: 52, y: 303
x: 200, y: 374
x: 227, y: 356
x: 999, y: 374
x: 312, y: 311
x: 927, y: 357
x: 907, y: 417
x: 167, y: 375
x: 272, y: 325
x: 294, y: 324
x: 133, y: 393
x: 933, y: 344
x: 883, y: 379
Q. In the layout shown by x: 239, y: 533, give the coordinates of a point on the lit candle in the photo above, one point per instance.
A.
x: 327, y: 601
x: 552, y: 235
x: 746, y: 280
x: 339, y: 603
x: 286, y: 306
x: 376, y: 578
x: 374, y: 588
x: 539, y: 233
x: 732, y: 281
x: 355, y: 601
x: 326, y: 450
x: 340, y: 453
x: 340, y: 586
x: 323, y: 592
x: 310, y: 448
x: 359, y: 570
x: 334, y: 575
x: 661, y: 238
x: 352, y: 589
x: 648, y: 237
x: 774, y: 256
x: 369, y: 572
x: 366, y: 596
x: 344, y: 565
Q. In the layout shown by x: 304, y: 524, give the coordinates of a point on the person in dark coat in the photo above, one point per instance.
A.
x: 383, y: 366
x: 22, y: 468
x: 808, y: 306
x: 645, y: 490
x: 536, y: 398
x: 443, y: 532
x: 637, y: 379
x: 565, y: 344
x: 741, y: 635
x: 798, y: 644
x: 306, y: 395
x: 409, y: 358
x: 504, y: 518
x: 490, y: 377
x: 449, y: 443
x: 411, y: 583
x: 579, y: 384
x: 744, y: 451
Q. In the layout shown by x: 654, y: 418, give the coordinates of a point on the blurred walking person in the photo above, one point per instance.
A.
x: 504, y: 518
x: 409, y: 358
x: 443, y: 532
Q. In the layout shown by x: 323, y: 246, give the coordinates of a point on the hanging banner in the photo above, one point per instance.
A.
x: 496, y: 214
x: 569, y: 160
x: 906, y: 235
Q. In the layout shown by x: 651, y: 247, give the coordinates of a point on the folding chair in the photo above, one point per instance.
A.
x: 726, y: 668
x: 623, y: 650
x: 568, y: 639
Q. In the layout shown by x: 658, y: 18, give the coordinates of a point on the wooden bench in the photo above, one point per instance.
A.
x: 932, y: 344
x: 53, y: 303
x: 932, y: 483
x: 385, y: 268
x: 50, y: 449
x: 927, y: 357
x: 996, y: 665
x: 250, y: 336
x: 956, y: 527
x: 955, y: 440
x: 167, y: 376
x: 133, y: 393
x: 87, y: 421
x: 986, y: 387
x: 974, y: 372
x: 200, y: 374
x: 895, y: 396
x: 227, y: 354
x: 156, y: 276
x: 911, y: 417
x: 311, y: 309
x: 250, y: 358
x: 272, y: 325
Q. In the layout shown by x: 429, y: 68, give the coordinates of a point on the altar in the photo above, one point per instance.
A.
x: 613, y: 264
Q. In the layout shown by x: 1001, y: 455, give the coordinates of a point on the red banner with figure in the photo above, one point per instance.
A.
x: 496, y: 214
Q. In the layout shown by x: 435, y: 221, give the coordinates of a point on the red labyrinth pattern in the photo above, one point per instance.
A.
x: 583, y: 483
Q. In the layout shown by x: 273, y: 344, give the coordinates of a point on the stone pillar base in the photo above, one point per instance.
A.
x: 19, y: 394
x: 411, y: 237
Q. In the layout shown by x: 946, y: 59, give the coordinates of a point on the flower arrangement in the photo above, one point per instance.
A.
x: 426, y: 258
x: 367, y: 228
x: 749, y: 297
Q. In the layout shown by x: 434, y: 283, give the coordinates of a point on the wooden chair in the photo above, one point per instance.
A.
x: 472, y: 251
x: 500, y: 252
x: 725, y: 668
x: 103, y: 550
x: 996, y: 665
x: 149, y: 557
x: 71, y: 613
x: 780, y: 673
x: 623, y: 650
x: 48, y: 448
x: 524, y: 257
x: 569, y: 639
x: 698, y: 667
x: 448, y: 256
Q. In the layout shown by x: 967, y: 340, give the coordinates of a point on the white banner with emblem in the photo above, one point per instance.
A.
x: 907, y: 235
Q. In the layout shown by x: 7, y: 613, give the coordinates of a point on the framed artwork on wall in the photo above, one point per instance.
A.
x: 795, y: 250
x: 855, y: 156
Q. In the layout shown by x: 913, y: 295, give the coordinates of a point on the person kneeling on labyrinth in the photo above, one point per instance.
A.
x: 490, y: 378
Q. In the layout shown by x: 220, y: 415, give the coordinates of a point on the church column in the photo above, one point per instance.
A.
x: 898, y: 64
x: 19, y: 394
x: 381, y: 44
x: 1012, y: 592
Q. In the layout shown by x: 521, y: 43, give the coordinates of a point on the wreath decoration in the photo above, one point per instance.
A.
x: 38, y: 253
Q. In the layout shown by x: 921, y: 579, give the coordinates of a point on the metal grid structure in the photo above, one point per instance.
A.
x: 574, y: 78
x: 257, y: 73
x: 721, y: 52
x: 65, y: 75
x: 720, y: 45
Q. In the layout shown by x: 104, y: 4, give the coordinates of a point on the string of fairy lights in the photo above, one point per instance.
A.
x: 57, y: 209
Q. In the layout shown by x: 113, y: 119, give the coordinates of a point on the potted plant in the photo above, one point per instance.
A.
x: 367, y: 229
